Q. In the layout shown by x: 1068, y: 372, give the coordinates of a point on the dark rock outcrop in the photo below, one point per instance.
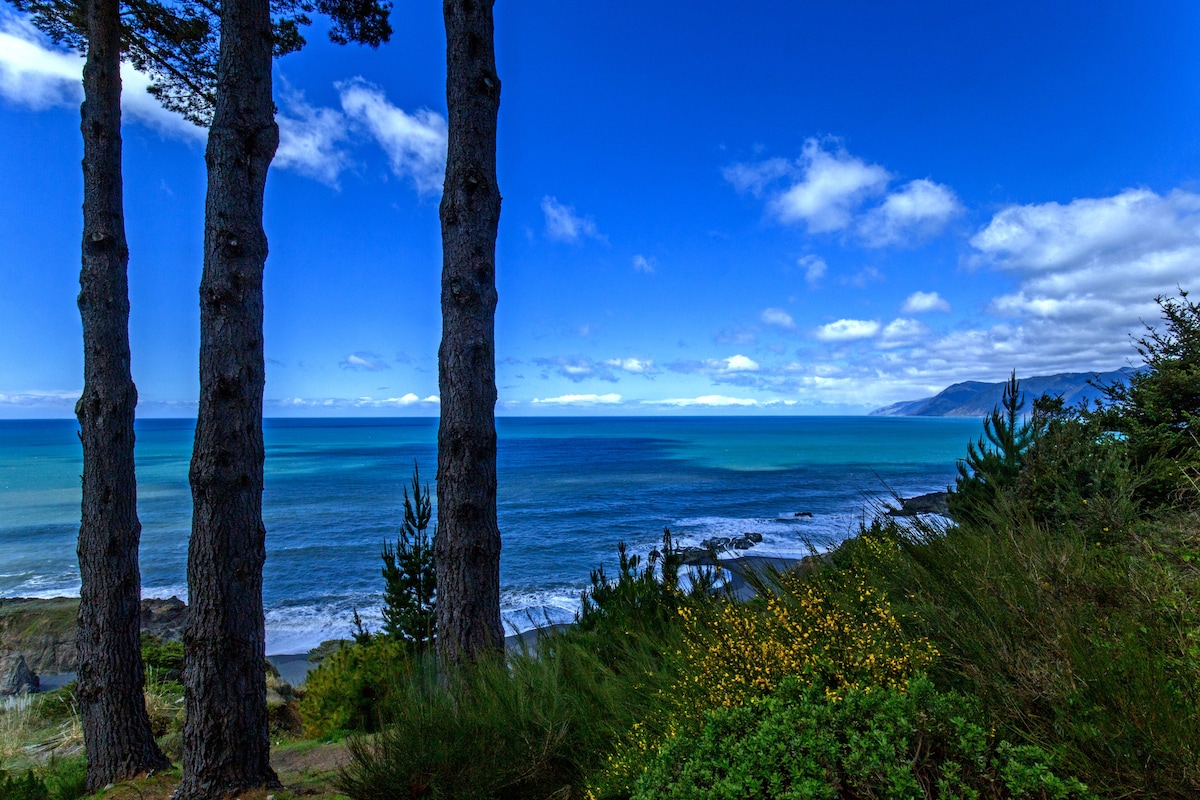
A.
x: 16, y: 677
x: 43, y: 629
x: 931, y: 503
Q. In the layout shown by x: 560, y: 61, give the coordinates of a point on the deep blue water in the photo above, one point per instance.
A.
x: 570, y: 489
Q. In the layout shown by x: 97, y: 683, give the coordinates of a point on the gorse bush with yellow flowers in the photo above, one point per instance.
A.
x: 837, y: 631
x: 832, y: 631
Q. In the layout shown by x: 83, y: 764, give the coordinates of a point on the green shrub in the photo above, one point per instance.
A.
x: 643, y: 601
x: 350, y: 688
x: 26, y: 787
x: 64, y: 779
x: 161, y: 657
x: 879, y: 743
x: 1080, y: 639
x: 532, y: 726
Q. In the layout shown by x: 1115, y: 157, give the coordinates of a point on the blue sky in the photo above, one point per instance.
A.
x: 800, y: 208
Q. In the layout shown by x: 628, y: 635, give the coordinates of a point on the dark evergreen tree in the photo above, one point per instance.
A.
x: 410, y: 578
x: 995, y: 464
x: 225, y: 734
x: 468, y: 541
x: 1158, y: 410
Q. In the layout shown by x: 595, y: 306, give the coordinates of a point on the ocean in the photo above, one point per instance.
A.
x: 570, y: 490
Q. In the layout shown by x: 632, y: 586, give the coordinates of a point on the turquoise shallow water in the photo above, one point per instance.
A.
x: 570, y: 489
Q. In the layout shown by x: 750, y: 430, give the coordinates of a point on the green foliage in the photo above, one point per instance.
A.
x: 26, y: 787
x: 64, y: 779
x: 176, y: 42
x: 409, y: 574
x: 67, y: 778
x: 643, y: 600
x: 1158, y: 410
x: 351, y: 687
x: 1078, y: 634
x: 994, y: 465
x: 873, y: 743
x: 161, y: 657
x: 532, y: 726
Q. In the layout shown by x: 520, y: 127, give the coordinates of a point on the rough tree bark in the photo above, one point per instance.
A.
x: 116, y: 728
x: 225, y: 736
x: 468, y: 541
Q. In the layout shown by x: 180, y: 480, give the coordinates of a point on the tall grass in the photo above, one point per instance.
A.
x: 1080, y: 635
x: 529, y: 726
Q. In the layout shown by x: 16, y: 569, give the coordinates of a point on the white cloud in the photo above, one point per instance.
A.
x: 1089, y: 270
x: 779, y: 318
x: 847, y: 330
x: 826, y: 188
x: 406, y: 400
x: 709, y: 400
x: 640, y: 262
x: 564, y: 225
x: 637, y: 366
x: 921, y: 302
x: 36, y: 74
x: 918, y: 210
x: 755, y: 178
x: 364, y: 362
x: 739, y: 363
x: 832, y: 186
x: 310, y: 139
x: 579, y: 400
x: 902, y: 330
x: 814, y: 269
x: 32, y: 72
x: 35, y: 398
x: 414, y: 143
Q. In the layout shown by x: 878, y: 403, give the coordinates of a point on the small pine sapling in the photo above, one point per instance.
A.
x: 410, y: 591
x: 996, y: 463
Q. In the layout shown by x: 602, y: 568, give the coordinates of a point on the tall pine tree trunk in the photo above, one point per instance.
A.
x: 116, y: 728
x: 225, y: 736
x: 468, y: 541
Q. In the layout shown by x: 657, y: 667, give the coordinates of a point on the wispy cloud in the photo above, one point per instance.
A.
x: 707, y: 401
x: 778, y: 318
x: 921, y: 302
x: 415, y: 143
x: 37, y: 74
x: 576, y: 368
x: 311, y: 139
x: 364, y: 362
x: 847, y: 330
x: 634, y: 366
x: 407, y: 400
x: 563, y: 224
x: 716, y: 366
x: 826, y: 189
x: 735, y: 335
x: 814, y: 269
x: 579, y: 400
x: 643, y: 264
x: 826, y: 186
x: 54, y: 398
x: 918, y: 210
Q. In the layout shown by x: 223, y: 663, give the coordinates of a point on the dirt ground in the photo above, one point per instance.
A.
x: 306, y: 770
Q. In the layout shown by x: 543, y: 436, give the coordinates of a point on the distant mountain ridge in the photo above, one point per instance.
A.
x: 977, y: 399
